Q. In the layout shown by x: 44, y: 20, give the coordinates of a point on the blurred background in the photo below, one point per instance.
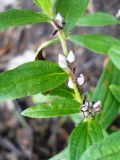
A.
x: 38, y: 139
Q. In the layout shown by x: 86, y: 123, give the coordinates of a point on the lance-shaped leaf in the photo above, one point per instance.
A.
x: 46, y: 5
x: 45, y: 45
x: 95, y: 42
x: 97, y: 19
x: 56, y: 107
x: 106, y: 149
x: 71, y: 10
x: 115, y: 89
x: 14, y: 18
x: 41, y: 98
x: 31, y: 78
x: 110, y: 106
x: 63, y: 91
x: 114, y: 53
x: 84, y: 135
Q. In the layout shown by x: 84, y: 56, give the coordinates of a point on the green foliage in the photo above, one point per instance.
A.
x: 31, y: 78
x: 15, y: 18
x: 41, y: 98
x: 55, y: 107
x: 63, y: 91
x: 97, y: 19
x: 115, y: 89
x: 106, y: 149
x: 84, y: 135
x: 46, y: 5
x: 76, y: 118
x: 114, y: 53
x: 71, y: 10
x: 95, y: 42
x: 110, y: 105
x: 89, y: 140
x: 45, y: 45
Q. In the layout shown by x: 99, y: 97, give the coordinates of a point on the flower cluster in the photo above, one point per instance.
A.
x: 62, y: 60
x: 63, y: 63
x: 89, y: 108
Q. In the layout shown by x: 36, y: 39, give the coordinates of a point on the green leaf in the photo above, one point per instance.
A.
x: 71, y: 10
x: 95, y: 42
x: 45, y: 45
x: 63, y: 155
x: 84, y: 135
x: 46, y: 5
x: 106, y: 149
x: 97, y: 19
x: 77, y: 118
x: 63, y: 91
x: 31, y: 78
x: 41, y: 98
x: 14, y: 18
x: 110, y: 106
x: 114, y: 53
x: 115, y: 89
x: 56, y: 107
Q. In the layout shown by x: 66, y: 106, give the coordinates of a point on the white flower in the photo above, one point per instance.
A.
x: 97, y: 105
x: 71, y: 57
x: 59, y: 19
x: 90, y: 104
x: 84, y: 108
x: 118, y: 14
x: 62, y: 61
x: 86, y: 114
x: 81, y: 80
x: 70, y: 83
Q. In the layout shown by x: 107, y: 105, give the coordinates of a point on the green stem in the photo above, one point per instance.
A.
x: 63, y: 42
x: 62, y: 38
x: 77, y: 93
x: 65, y: 50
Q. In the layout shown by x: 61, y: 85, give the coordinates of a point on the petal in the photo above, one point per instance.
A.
x: 70, y: 83
x: 62, y: 61
x: 97, y: 105
x: 84, y: 108
x: 81, y: 80
x: 71, y: 57
x: 118, y: 14
x: 59, y: 18
x: 86, y: 114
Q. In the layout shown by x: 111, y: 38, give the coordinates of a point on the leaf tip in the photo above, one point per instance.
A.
x: 24, y: 113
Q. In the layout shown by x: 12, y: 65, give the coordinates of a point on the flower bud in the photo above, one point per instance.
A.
x: 81, y: 80
x: 59, y: 19
x: 71, y: 57
x: 84, y: 108
x: 90, y: 104
x: 70, y: 83
x: 62, y: 61
x: 118, y: 14
x: 97, y: 105
x: 86, y: 114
